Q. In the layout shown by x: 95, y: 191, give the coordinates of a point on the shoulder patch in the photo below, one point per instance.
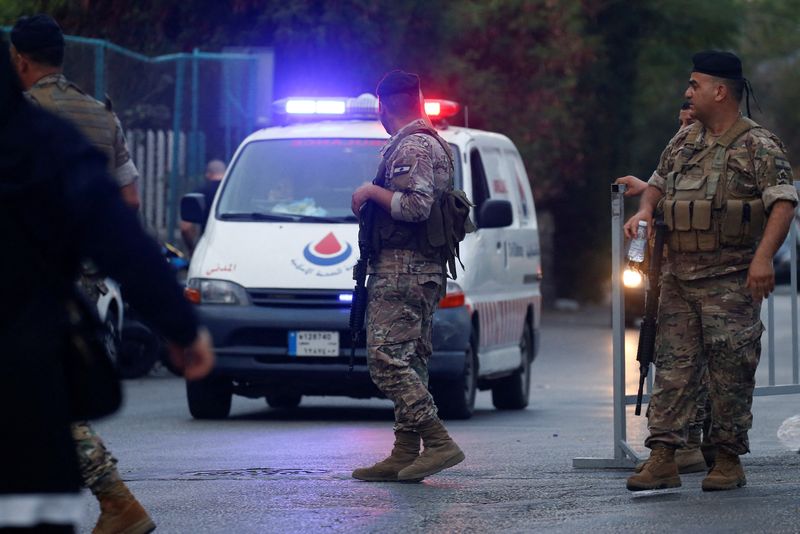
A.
x: 782, y: 163
x: 400, y: 168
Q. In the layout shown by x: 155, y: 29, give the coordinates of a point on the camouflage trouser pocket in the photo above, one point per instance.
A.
x: 745, y: 347
x: 398, y: 306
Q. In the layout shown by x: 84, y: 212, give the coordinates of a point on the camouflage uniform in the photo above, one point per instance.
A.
x: 707, y: 317
x: 404, y: 285
x: 94, y: 119
x: 103, y: 129
x: 98, y: 466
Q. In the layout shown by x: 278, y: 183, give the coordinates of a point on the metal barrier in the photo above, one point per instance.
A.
x: 624, y: 456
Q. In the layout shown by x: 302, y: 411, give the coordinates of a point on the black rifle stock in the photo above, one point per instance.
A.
x: 358, y: 310
x: 647, y: 330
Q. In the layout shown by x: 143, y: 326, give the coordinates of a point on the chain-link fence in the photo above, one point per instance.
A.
x: 178, y: 111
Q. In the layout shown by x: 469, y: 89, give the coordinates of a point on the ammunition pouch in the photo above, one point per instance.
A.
x: 704, y: 210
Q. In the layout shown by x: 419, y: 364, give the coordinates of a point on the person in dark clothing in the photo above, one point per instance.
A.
x: 57, y: 206
x: 215, y: 171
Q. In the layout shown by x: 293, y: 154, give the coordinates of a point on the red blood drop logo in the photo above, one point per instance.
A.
x: 328, y: 245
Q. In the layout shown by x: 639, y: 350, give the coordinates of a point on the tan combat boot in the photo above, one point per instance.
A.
x: 405, y: 451
x: 120, y: 512
x: 440, y: 453
x: 727, y: 473
x: 690, y: 460
x: 659, y: 472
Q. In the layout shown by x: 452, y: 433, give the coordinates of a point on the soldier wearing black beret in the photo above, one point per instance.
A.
x: 726, y: 190
x: 415, y: 174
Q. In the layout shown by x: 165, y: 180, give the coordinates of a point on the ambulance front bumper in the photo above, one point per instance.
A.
x: 252, y: 345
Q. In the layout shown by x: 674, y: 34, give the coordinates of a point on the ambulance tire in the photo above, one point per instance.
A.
x: 456, y: 399
x: 513, y: 392
x: 285, y: 401
x: 209, y: 398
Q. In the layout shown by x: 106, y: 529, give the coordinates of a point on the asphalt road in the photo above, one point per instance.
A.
x: 266, y: 470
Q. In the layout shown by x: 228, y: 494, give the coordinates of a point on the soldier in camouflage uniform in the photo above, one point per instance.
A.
x: 728, y: 201
x: 37, y: 52
x: 406, y: 280
x: 689, y: 459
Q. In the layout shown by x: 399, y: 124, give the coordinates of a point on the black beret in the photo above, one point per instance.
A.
x: 719, y: 64
x: 398, y: 81
x: 36, y: 33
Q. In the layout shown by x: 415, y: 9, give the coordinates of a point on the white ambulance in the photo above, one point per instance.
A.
x: 272, y: 274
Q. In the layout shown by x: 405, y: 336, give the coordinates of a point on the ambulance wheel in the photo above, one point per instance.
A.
x: 456, y: 400
x: 285, y: 401
x: 209, y: 398
x: 513, y: 392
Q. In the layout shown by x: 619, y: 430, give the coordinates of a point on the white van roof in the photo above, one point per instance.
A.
x: 368, y: 129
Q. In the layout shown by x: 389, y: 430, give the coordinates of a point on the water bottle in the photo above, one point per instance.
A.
x: 789, y: 433
x: 638, y: 244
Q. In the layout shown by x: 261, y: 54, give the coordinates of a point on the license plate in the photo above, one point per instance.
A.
x: 313, y: 343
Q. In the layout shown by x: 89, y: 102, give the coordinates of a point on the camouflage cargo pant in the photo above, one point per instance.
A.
x: 699, y: 425
x: 399, y: 321
x: 98, y: 466
x: 711, y: 324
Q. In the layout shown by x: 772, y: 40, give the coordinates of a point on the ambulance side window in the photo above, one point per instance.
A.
x: 480, y: 189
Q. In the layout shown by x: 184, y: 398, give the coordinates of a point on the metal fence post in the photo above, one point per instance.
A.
x: 624, y: 455
x: 793, y: 278
x: 100, y: 71
x: 195, y: 164
x: 176, y: 128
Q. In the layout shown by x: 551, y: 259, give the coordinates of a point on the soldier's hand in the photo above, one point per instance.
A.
x: 761, y: 278
x: 633, y: 223
x: 196, y: 360
x: 360, y: 197
x: 633, y: 186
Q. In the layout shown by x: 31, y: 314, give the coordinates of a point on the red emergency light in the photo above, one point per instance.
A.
x: 440, y: 109
x: 362, y: 107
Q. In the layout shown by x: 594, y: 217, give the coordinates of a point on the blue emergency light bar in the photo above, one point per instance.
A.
x: 296, y: 106
x: 365, y: 106
x: 362, y: 107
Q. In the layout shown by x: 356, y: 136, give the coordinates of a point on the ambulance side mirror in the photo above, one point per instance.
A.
x: 193, y: 208
x: 495, y: 213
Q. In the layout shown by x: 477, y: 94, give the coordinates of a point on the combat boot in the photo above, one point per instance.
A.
x: 709, y: 453
x: 120, y: 512
x: 440, y: 453
x: 690, y: 460
x: 404, y: 452
x: 659, y: 472
x: 727, y: 473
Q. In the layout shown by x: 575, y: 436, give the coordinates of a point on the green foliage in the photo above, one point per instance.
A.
x: 588, y: 89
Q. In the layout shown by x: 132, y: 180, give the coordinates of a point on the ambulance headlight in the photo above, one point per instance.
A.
x: 217, y: 292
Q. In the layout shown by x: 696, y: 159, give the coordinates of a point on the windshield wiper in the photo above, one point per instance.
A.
x: 315, y: 218
x: 258, y: 216
x: 285, y: 217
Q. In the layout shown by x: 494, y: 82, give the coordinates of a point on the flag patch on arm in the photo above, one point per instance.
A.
x: 397, y: 170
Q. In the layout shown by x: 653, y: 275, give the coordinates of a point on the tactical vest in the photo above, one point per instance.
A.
x: 701, y: 210
x: 438, y: 236
x: 92, y: 118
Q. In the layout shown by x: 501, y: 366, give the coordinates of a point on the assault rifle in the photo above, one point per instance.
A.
x: 358, y: 310
x: 647, y: 331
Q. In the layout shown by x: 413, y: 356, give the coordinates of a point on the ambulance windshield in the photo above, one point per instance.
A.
x: 299, y: 180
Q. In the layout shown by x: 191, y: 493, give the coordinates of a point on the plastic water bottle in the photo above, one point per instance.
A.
x: 638, y: 244
x: 789, y: 433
